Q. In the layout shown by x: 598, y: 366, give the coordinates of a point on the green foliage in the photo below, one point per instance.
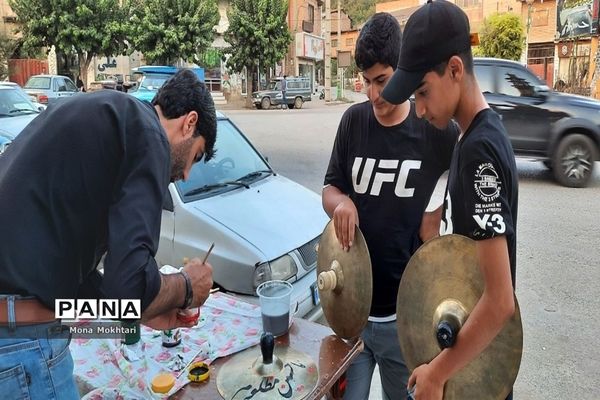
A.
x: 575, y: 3
x: 358, y: 10
x: 502, y: 36
x: 258, y: 33
x: 86, y: 27
x: 81, y: 26
x: 167, y: 30
x: 7, y: 47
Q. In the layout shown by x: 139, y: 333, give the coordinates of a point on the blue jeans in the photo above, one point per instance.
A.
x: 36, y: 363
x: 381, y: 347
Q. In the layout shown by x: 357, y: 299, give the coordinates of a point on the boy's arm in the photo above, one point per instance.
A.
x: 487, y: 318
x: 430, y: 224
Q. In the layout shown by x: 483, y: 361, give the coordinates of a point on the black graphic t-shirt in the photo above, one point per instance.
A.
x: 481, y: 196
x: 390, y: 174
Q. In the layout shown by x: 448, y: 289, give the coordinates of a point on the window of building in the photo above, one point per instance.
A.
x: 349, y: 42
x: 334, y: 43
x: 311, y: 14
x: 468, y: 3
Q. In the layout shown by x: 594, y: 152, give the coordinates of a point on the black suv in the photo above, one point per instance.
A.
x: 559, y: 129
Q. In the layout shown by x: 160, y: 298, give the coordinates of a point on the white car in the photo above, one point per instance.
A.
x: 264, y: 226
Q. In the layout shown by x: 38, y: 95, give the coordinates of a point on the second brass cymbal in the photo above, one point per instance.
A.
x: 345, y: 282
x: 440, y: 286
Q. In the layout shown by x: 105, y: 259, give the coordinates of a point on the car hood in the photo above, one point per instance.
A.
x: 577, y: 100
x: 273, y: 208
x: 265, y: 92
x: 145, y: 95
x: 12, y: 126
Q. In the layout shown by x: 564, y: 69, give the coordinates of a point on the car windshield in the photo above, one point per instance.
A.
x: 153, y: 81
x: 13, y: 103
x: 38, y: 82
x: 235, y: 165
x: 275, y: 85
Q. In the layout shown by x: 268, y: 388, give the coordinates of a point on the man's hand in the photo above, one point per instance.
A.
x: 167, y: 320
x: 345, y: 218
x: 429, y: 386
x: 201, y: 278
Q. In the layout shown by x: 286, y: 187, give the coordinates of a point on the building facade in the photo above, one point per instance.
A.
x: 307, y: 51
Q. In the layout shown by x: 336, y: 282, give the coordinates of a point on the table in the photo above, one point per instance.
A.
x: 332, y: 354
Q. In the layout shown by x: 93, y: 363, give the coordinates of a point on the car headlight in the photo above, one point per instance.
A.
x: 282, y: 268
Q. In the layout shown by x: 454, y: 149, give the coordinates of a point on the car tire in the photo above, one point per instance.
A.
x: 298, y: 103
x: 573, y: 161
x: 265, y: 103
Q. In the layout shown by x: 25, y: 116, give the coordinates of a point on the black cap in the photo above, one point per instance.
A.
x: 434, y: 33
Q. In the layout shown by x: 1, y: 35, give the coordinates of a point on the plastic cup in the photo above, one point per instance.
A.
x: 275, y: 306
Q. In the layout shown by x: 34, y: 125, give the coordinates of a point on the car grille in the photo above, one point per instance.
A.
x: 308, y: 252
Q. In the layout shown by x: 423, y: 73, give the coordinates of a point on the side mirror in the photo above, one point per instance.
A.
x: 541, y: 90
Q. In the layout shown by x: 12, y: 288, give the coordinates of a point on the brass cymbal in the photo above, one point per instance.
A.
x: 268, y: 374
x: 345, y: 282
x: 439, y: 288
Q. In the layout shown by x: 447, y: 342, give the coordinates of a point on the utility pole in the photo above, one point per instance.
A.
x: 327, y: 61
x: 339, y: 45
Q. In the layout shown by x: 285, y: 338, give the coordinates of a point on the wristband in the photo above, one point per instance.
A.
x: 189, y: 292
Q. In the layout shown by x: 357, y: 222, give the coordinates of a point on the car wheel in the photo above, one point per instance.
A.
x: 265, y: 103
x: 573, y: 161
x: 298, y: 103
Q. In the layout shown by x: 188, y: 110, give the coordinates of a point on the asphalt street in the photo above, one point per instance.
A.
x: 558, y: 273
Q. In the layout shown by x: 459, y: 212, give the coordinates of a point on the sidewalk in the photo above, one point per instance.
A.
x: 350, y: 97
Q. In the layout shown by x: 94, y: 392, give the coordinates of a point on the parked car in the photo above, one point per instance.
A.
x: 264, y: 226
x: 39, y: 106
x: 561, y: 130
x: 298, y: 91
x: 153, y: 77
x: 103, y: 84
x: 49, y: 88
x: 16, y: 112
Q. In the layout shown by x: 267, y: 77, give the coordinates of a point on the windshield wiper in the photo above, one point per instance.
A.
x: 21, y: 110
x: 254, y: 174
x: 208, y: 188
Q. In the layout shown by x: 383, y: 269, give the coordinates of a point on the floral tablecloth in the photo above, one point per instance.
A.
x: 108, y: 369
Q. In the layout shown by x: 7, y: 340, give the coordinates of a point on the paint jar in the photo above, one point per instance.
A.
x: 131, y: 331
x: 171, y: 337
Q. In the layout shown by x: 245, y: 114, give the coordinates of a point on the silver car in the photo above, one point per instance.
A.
x: 47, y: 89
x: 264, y: 226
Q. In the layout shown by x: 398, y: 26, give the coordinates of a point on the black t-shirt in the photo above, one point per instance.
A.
x: 390, y: 174
x: 482, y: 192
x: 87, y: 175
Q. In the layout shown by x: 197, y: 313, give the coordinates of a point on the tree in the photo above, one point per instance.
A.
x: 502, y: 36
x: 87, y: 28
x: 167, y: 30
x: 358, y: 10
x: 258, y: 35
x: 7, y: 47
